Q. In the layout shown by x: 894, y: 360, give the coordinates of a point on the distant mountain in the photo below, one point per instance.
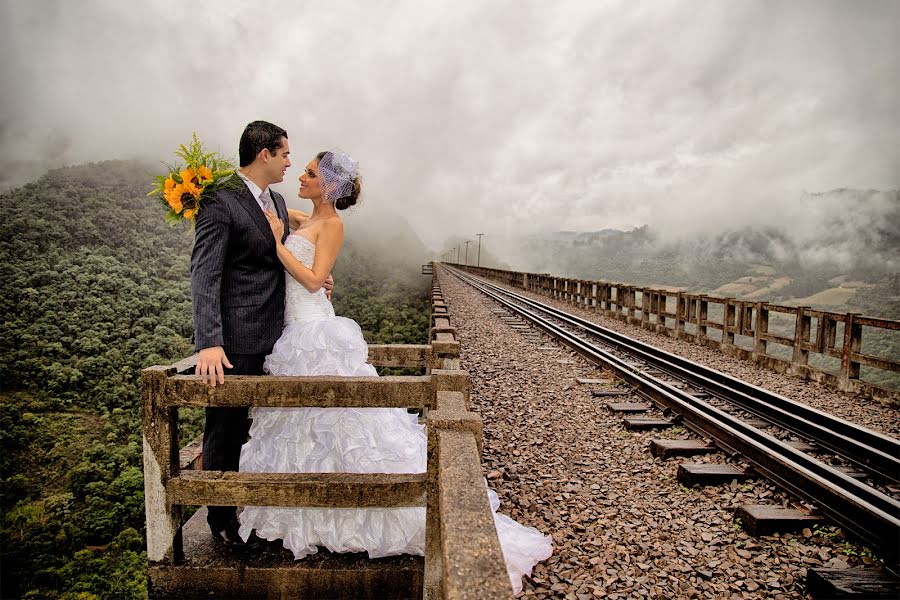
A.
x: 846, y: 241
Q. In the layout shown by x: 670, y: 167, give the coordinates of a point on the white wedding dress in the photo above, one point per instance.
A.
x: 348, y: 440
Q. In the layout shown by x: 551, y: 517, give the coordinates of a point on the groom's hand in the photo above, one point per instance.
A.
x: 328, y: 285
x: 211, y: 362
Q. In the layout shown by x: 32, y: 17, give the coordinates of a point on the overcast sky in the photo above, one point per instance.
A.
x: 482, y: 116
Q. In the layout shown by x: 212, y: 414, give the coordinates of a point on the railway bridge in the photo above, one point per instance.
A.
x: 574, y: 424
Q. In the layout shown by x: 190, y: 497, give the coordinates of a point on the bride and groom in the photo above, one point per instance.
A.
x: 261, y: 305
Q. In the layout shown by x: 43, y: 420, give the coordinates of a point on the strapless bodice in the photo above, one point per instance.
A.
x: 300, y: 304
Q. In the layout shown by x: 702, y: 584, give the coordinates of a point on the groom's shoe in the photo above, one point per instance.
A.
x: 228, y: 535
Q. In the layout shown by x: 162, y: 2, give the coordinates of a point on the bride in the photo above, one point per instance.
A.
x: 350, y: 440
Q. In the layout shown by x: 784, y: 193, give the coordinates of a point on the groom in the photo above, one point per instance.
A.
x: 237, y: 286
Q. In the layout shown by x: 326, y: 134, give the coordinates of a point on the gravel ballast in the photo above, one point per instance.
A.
x: 622, y: 526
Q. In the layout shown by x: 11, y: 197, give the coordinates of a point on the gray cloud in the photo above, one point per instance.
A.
x: 482, y: 116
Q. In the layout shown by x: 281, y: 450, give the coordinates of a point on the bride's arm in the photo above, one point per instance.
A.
x: 328, y: 245
x: 296, y: 217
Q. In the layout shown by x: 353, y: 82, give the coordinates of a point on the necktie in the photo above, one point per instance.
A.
x: 266, y: 199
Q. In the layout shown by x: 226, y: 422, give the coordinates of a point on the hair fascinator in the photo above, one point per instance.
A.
x: 337, y: 171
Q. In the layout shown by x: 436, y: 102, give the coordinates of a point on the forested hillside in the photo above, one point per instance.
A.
x: 94, y: 287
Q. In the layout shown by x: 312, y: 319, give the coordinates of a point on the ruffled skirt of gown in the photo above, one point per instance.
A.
x: 350, y: 440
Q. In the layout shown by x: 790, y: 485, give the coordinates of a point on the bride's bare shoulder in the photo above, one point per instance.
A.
x: 297, y: 218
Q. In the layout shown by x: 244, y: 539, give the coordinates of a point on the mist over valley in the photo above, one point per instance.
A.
x: 845, y: 256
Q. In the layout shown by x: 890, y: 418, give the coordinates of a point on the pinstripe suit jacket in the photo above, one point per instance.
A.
x: 237, y: 281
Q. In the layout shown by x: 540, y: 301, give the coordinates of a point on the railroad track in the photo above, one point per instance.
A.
x: 784, y: 440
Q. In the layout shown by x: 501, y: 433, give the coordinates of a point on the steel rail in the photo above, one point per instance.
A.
x: 874, y: 452
x: 859, y: 508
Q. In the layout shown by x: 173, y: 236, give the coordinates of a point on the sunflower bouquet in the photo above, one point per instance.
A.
x: 185, y: 187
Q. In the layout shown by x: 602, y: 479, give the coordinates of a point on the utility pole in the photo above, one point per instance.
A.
x: 479, y: 248
x: 467, y: 254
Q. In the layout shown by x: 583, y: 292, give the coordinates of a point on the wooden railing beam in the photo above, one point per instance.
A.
x: 285, y: 392
x: 313, y: 490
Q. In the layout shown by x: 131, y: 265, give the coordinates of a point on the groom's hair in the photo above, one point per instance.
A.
x: 258, y: 135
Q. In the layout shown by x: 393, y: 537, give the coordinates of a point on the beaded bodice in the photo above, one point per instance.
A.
x: 301, y: 305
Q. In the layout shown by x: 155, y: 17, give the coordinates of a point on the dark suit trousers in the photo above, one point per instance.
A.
x: 225, y: 431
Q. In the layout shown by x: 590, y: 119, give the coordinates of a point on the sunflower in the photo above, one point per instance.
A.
x: 173, y: 197
x: 205, y: 173
x: 191, y: 188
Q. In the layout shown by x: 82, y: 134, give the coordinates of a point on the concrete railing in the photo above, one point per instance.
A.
x: 693, y: 317
x: 462, y: 552
x: 462, y: 558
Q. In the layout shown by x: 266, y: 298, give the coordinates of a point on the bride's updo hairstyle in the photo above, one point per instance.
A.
x: 340, y: 178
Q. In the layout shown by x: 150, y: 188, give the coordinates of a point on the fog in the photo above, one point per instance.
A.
x: 501, y: 117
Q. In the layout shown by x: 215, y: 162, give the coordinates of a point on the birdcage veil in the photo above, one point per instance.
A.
x: 337, y: 171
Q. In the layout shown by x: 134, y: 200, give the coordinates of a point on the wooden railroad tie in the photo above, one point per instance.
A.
x: 628, y: 407
x: 669, y: 448
x: 802, y: 446
x: 857, y: 582
x: 642, y: 424
x: 691, y: 474
x: 850, y: 471
x: 763, y: 519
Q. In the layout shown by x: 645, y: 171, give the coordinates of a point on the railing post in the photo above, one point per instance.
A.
x: 828, y: 329
x: 802, y: 328
x: 161, y: 453
x: 645, y: 308
x: 680, y: 314
x: 617, y: 306
x: 760, y: 328
x: 693, y: 307
x: 728, y: 318
x: 852, y: 344
x: 661, y: 301
x: 702, y: 317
